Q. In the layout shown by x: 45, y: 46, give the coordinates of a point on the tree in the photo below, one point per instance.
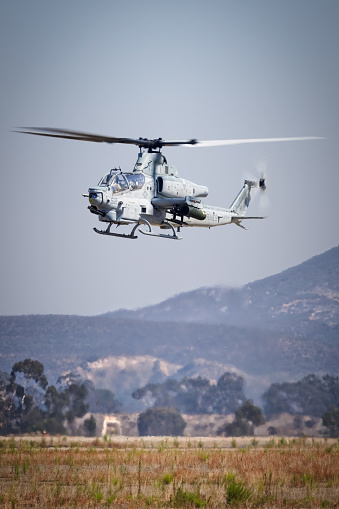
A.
x: 28, y: 404
x: 237, y: 428
x: 56, y: 404
x: 77, y: 406
x: 160, y: 421
x: 7, y: 405
x: 331, y: 422
x: 101, y: 400
x: 65, y: 404
x: 251, y: 413
x: 231, y: 393
x: 247, y: 417
x: 311, y: 395
x: 32, y: 370
x: 196, y: 395
x: 90, y: 426
x: 163, y: 394
x: 75, y: 391
x: 23, y: 397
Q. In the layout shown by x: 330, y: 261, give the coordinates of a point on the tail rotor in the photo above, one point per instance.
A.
x: 261, y: 166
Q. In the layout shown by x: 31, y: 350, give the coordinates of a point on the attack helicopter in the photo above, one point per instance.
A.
x: 153, y: 194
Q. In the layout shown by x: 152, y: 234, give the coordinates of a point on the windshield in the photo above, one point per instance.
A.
x: 123, y: 181
x: 108, y: 179
x: 119, y: 183
x: 135, y: 180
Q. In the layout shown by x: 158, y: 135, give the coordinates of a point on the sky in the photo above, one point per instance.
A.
x: 177, y: 70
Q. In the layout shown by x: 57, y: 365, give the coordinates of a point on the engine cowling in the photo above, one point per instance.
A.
x: 174, y: 187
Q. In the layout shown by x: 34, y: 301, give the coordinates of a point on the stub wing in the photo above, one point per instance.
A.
x: 167, y: 203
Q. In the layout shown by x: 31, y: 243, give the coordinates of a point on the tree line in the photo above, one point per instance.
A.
x: 196, y: 395
x: 29, y: 404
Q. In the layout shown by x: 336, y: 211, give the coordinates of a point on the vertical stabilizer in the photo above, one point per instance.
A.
x: 242, y: 201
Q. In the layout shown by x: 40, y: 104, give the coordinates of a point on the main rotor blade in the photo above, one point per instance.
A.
x: 78, y: 135
x: 157, y: 143
x: 215, y: 143
x: 75, y: 135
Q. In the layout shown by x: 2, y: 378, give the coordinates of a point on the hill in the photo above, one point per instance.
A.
x: 281, y: 327
x: 303, y: 299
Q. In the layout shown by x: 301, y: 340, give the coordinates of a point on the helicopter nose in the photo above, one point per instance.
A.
x: 95, y: 198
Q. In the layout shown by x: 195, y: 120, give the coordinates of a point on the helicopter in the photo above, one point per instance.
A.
x: 153, y: 194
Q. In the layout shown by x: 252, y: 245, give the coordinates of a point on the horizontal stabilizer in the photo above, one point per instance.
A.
x: 237, y: 220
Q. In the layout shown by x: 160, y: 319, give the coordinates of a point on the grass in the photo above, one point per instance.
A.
x: 284, y: 473
x: 236, y: 491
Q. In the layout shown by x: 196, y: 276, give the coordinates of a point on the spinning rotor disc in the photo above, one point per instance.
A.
x: 144, y: 142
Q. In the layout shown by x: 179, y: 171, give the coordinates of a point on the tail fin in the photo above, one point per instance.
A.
x: 242, y: 201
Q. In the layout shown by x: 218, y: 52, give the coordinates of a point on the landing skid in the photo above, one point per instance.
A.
x: 121, y: 235
x: 150, y: 232
x: 164, y: 224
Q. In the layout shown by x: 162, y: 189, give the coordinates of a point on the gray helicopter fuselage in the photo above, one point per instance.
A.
x: 153, y: 192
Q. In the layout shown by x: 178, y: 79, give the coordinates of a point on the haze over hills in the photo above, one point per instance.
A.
x: 279, y: 328
x: 298, y: 299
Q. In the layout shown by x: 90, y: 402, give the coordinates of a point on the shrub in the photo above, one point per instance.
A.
x: 246, y: 417
x: 236, y: 491
x: 160, y: 421
x: 331, y: 422
x: 184, y: 498
x: 237, y: 428
x: 90, y: 426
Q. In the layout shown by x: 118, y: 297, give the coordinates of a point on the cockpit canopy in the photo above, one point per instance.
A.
x: 119, y: 181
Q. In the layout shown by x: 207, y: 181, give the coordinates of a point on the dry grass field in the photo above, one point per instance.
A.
x: 167, y: 472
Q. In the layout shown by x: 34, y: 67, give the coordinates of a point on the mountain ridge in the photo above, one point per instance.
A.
x: 312, y: 287
x: 281, y: 327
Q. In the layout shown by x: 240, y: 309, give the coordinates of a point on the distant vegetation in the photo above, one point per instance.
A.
x: 331, y: 422
x: 247, y: 416
x: 311, y: 395
x: 161, y: 422
x: 29, y: 404
x: 196, y: 395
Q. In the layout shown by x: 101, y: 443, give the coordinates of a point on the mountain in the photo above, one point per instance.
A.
x: 279, y: 328
x: 303, y: 299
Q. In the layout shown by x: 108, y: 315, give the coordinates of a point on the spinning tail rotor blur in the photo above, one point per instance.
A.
x: 262, y: 169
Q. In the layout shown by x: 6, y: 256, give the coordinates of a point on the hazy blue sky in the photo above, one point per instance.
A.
x: 176, y: 70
